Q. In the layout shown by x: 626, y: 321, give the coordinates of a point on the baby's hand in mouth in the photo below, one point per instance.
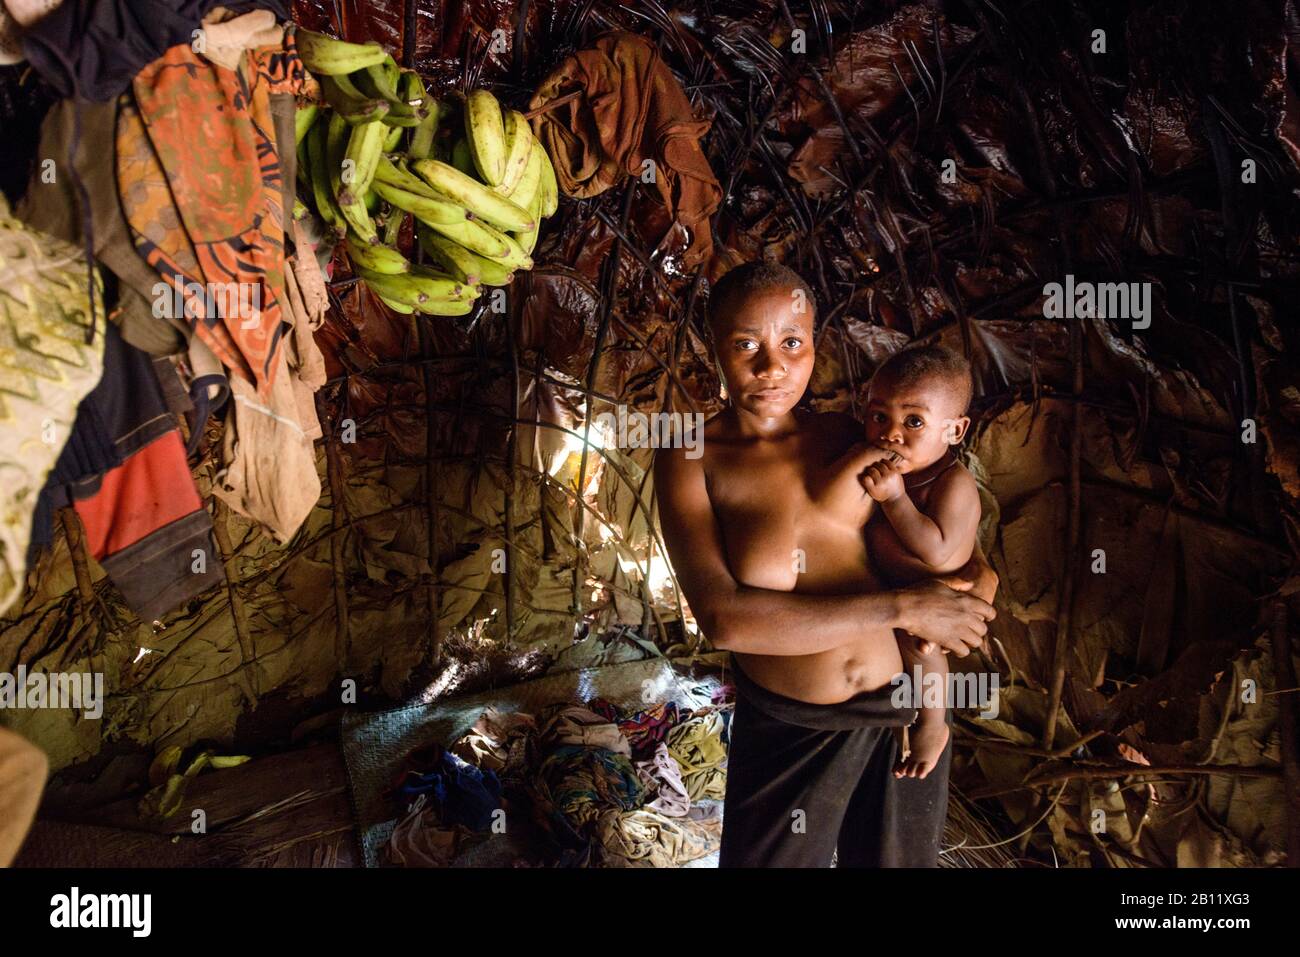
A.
x: 872, y: 453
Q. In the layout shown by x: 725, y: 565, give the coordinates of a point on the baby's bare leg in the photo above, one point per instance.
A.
x: 929, y: 735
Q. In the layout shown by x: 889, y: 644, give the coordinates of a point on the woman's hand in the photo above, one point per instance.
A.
x: 977, y: 578
x: 944, y: 615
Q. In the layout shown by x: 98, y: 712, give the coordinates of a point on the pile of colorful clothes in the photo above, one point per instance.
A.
x: 603, y: 786
x: 170, y: 165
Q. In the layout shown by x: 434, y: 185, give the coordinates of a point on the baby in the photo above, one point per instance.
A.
x: 927, y: 504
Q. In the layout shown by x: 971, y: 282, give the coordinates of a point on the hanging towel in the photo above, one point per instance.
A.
x: 631, y: 109
x: 211, y: 221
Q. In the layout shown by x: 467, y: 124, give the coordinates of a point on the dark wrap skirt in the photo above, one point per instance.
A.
x: 805, y: 779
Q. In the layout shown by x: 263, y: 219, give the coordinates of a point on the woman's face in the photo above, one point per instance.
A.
x: 765, y: 349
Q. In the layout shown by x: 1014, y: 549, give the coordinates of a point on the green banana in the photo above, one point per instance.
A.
x: 485, y: 131
x: 351, y: 196
x: 337, y: 139
x: 550, y: 188
x: 516, y: 257
x: 421, y: 144
x: 372, y: 201
x: 391, y: 287
x: 421, y: 207
x: 453, y: 257
x: 528, y: 240
x: 416, y: 288
x: 376, y: 258
x: 359, y: 221
x: 396, y: 175
x: 526, y: 188
x: 392, y: 72
x: 394, y: 139
x: 441, y: 286
x: 329, y: 57
x: 519, y: 146
x: 364, y: 148
x: 354, y: 109
x: 413, y: 91
x: 475, y: 236
x: 303, y: 118
x: 398, y: 116
x: 456, y: 307
x: 348, y: 87
x: 396, y: 306
x: 376, y: 81
x: 318, y: 163
x: 492, y: 208
x: 462, y: 262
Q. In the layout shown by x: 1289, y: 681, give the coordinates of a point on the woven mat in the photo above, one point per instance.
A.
x: 375, y: 744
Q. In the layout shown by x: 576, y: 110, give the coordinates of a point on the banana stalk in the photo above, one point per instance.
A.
x: 354, y: 109
x: 393, y: 225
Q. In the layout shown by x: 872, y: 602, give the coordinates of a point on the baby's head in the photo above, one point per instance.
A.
x: 917, y: 402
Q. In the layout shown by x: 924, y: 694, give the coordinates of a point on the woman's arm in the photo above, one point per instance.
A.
x: 761, y: 621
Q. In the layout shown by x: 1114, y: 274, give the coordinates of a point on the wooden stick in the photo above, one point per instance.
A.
x: 998, y: 744
x: 77, y: 549
x: 75, y: 535
x: 339, y: 522
x: 247, y: 682
x: 552, y: 104
x: 1134, y: 770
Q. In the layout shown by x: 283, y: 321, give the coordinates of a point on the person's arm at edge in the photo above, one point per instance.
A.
x: 762, y: 621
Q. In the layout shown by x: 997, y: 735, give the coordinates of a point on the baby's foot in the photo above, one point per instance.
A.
x: 927, y: 740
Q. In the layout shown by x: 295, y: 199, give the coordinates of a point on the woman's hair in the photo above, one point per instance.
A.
x: 743, y: 281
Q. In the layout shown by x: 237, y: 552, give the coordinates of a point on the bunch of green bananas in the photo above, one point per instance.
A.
x: 380, y: 156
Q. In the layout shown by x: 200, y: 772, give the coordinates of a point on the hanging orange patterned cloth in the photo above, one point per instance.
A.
x: 200, y: 183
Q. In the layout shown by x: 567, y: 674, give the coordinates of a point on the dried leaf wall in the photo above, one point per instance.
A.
x: 928, y: 167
